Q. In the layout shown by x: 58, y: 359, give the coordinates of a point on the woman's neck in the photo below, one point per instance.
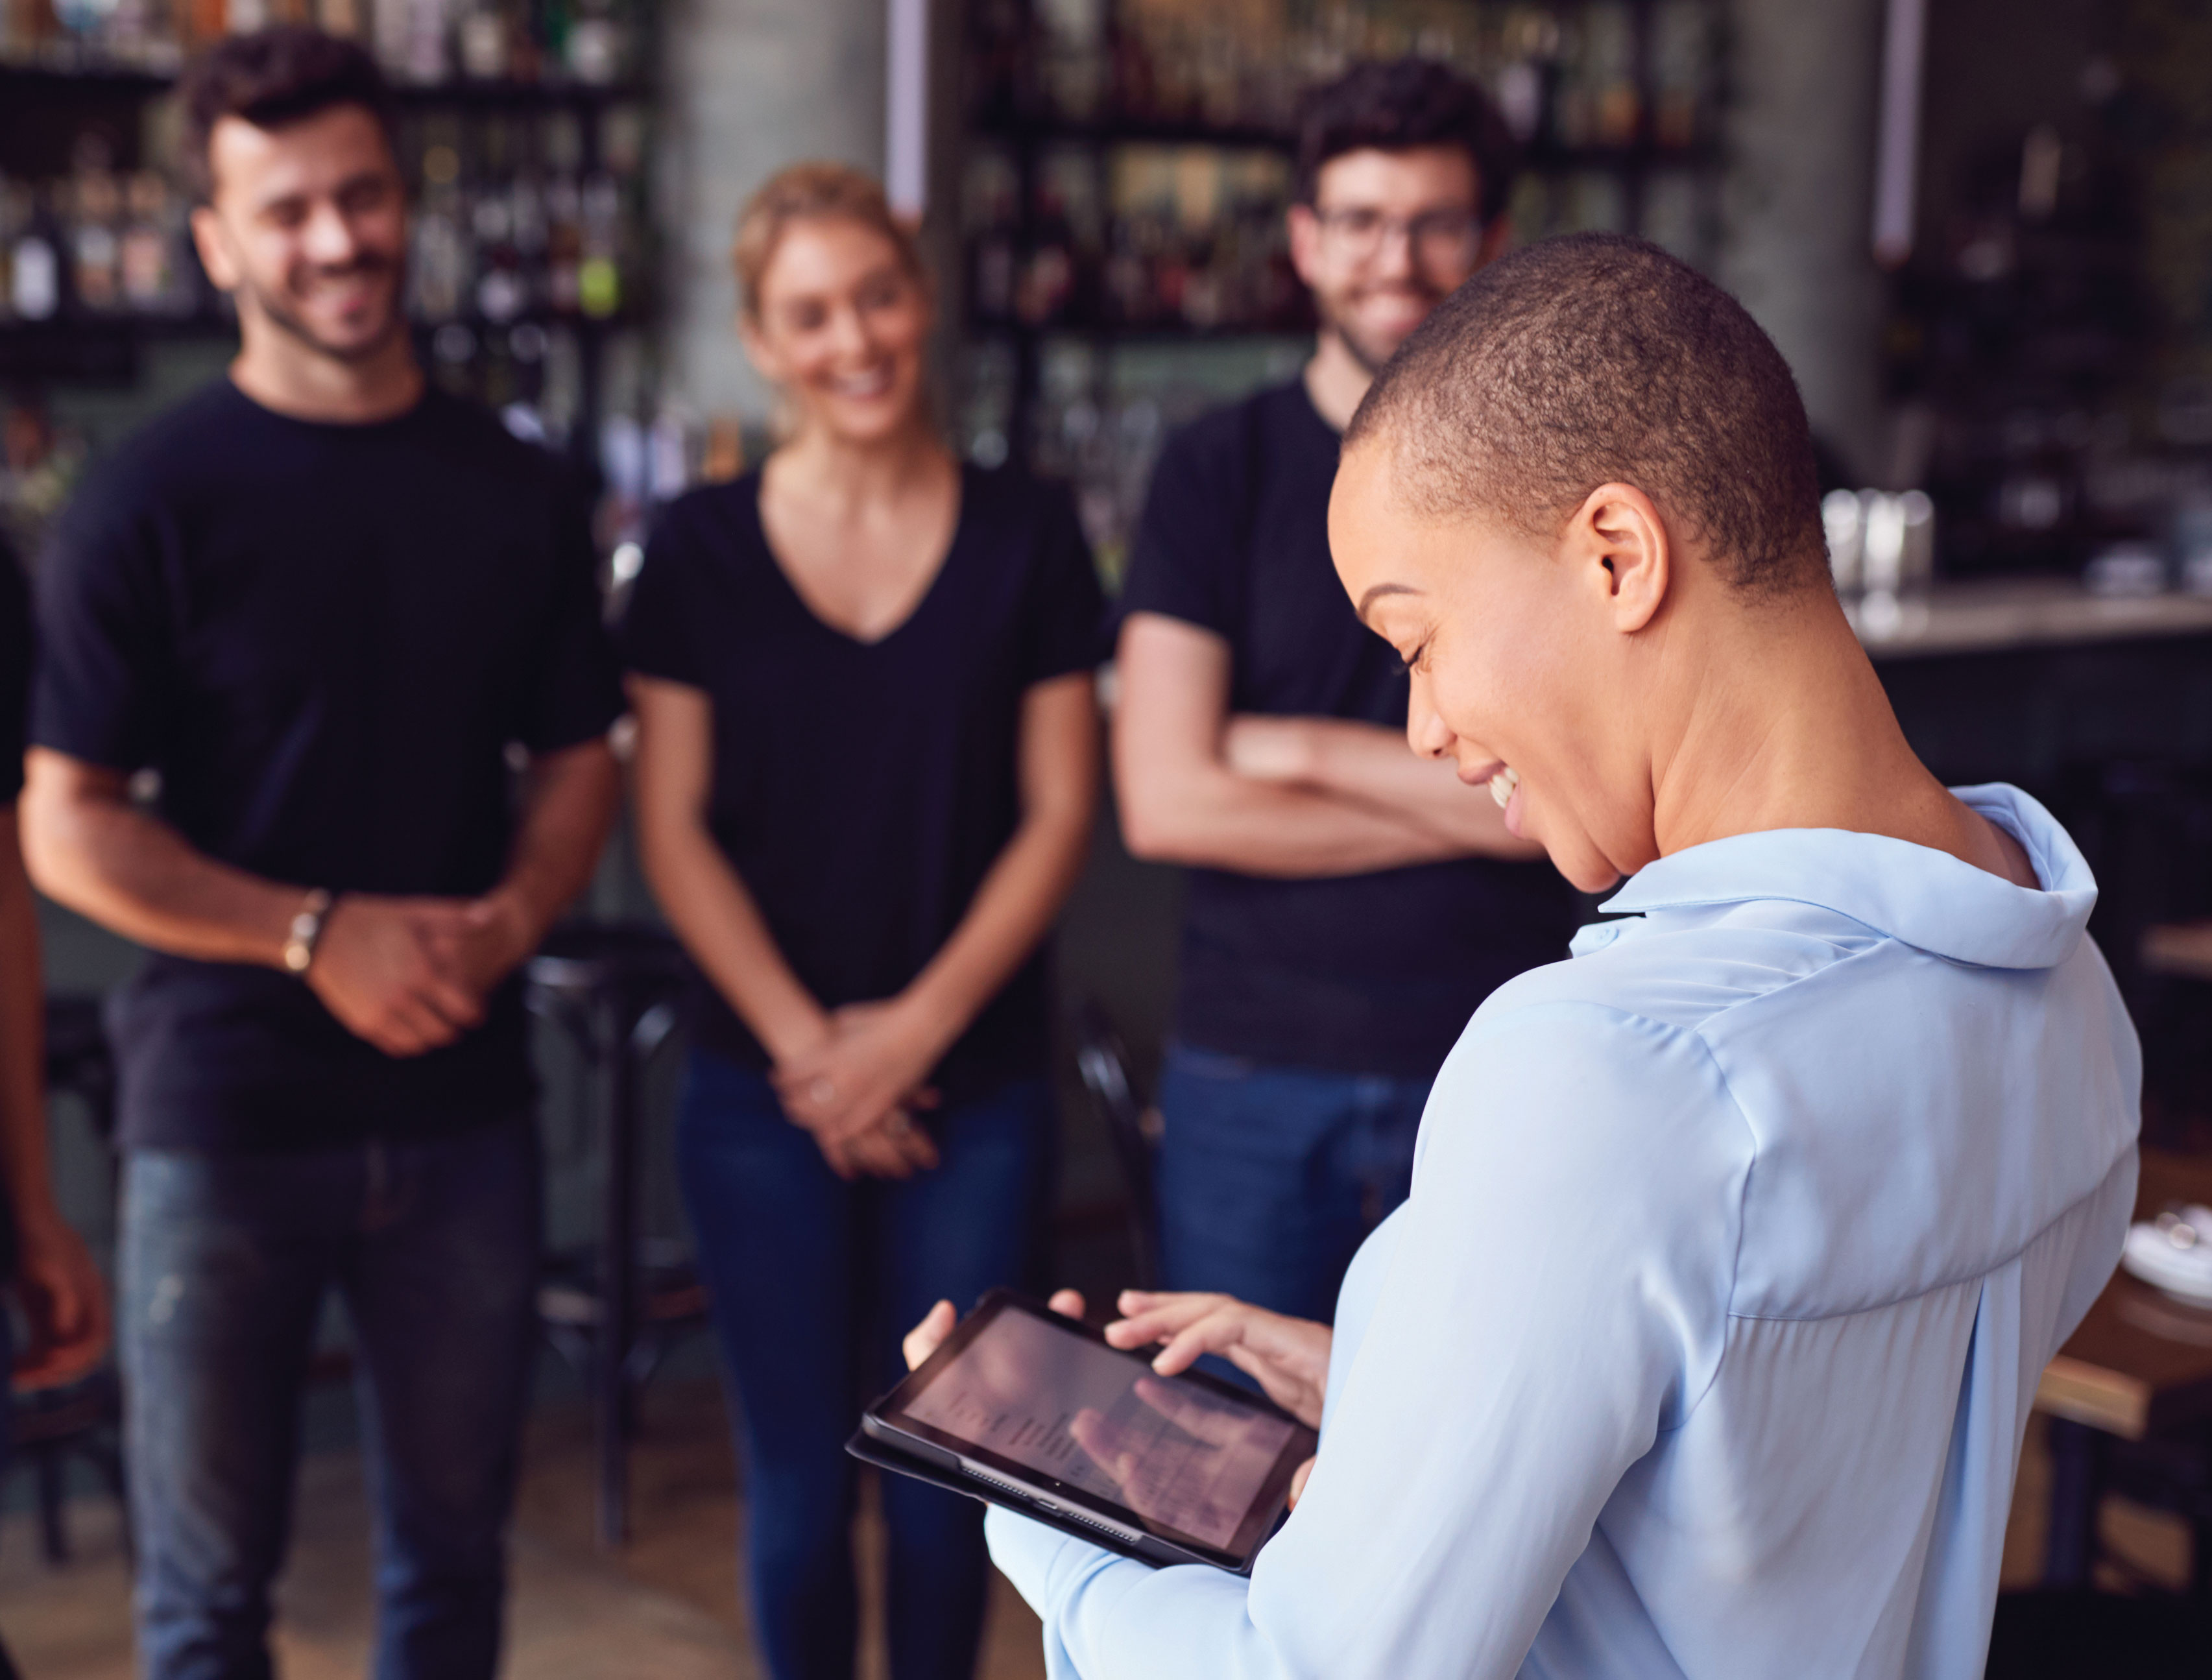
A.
x: 1793, y: 730
x: 846, y: 479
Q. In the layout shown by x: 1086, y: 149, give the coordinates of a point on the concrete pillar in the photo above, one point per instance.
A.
x: 748, y: 86
x: 1797, y: 202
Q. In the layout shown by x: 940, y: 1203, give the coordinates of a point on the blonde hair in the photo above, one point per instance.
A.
x: 809, y: 191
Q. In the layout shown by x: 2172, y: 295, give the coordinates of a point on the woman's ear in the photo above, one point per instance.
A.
x: 758, y: 351
x: 1618, y: 531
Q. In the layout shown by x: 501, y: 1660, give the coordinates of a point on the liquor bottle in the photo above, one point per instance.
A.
x: 598, y: 270
x: 483, y: 37
x: 96, y: 205
x: 598, y: 43
x: 1681, y: 55
x: 439, y: 273
x: 158, y: 272
x: 34, y: 268
x: 562, y: 145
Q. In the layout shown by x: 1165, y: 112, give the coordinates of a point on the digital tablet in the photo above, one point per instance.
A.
x: 1027, y: 1409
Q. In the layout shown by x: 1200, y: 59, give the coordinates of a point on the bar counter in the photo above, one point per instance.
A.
x: 2005, y: 613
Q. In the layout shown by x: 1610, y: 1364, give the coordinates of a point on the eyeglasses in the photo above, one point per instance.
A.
x: 1437, y: 239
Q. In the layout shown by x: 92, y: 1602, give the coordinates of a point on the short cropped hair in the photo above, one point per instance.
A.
x: 271, y: 77
x: 806, y: 192
x: 1399, y: 105
x: 1594, y: 359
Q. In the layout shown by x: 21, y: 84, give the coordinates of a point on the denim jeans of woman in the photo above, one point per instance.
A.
x: 813, y: 1280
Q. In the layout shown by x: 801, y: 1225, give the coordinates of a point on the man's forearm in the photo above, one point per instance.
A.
x: 92, y: 851
x: 23, y: 1151
x: 568, y: 810
x: 1373, y: 765
x: 1213, y: 818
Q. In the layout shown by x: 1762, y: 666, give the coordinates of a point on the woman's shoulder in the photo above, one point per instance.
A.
x: 729, y: 510
x: 710, y: 532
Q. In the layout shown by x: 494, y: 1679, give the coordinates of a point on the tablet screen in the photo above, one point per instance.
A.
x: 1181, y: 1454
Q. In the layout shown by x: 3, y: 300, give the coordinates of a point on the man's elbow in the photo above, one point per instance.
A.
x: 1156, y: 827
x: 45, y: 820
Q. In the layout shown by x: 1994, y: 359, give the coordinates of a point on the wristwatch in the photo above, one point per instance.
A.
x: 307, y: 932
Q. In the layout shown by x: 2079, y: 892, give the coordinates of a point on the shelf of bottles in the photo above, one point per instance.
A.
x: 523, y: 132
x: 1129, y: 164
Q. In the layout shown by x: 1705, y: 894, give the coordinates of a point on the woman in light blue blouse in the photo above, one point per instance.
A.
x: 1705, y: 1343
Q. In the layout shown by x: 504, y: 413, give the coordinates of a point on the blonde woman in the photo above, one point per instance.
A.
x: 866, y: 775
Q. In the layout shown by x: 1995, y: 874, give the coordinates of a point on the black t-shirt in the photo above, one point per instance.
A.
x: 15, y: 697
x: 862, y: 791
x: 1368, y: 974
x: 324, y: 638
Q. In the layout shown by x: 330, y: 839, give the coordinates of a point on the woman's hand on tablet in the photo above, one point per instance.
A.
x: 925, y: 1338
x: 1288, y: 1357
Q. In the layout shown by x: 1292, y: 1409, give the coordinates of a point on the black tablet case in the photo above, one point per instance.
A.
x: 882, y: 1454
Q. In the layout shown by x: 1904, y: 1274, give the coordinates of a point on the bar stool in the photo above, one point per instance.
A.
x: 82, y: 1421
x: 612, y: 988
x: 1102, y: 1059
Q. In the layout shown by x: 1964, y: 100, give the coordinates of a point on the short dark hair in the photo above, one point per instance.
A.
x: 1595, y: 358
x: 271, y: 77
x: 1398, y: 105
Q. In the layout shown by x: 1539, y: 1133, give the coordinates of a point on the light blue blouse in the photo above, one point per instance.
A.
x: 1705, y: 1343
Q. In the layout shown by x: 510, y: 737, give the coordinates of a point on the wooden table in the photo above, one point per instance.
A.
x: 2139, y: 1369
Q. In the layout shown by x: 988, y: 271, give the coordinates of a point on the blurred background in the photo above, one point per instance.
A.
x: 1980, y: 231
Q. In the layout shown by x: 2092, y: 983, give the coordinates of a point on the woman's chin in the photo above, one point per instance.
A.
x: 869, y: 421
x: 1587, y: 869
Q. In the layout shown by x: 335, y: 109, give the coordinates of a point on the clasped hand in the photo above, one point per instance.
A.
x: 412, y: 974
x: 1287, y: 1357
x: 859, y: 1088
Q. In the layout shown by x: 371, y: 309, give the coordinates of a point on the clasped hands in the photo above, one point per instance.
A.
x: 1287, y: 1357
x: 857, y: 1084
x: 412, y: 974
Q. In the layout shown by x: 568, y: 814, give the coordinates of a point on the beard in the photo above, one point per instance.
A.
x: 281, y: 315
x: 1369, y: 354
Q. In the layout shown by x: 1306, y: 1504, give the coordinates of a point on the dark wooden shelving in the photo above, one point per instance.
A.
x: 100, y: 81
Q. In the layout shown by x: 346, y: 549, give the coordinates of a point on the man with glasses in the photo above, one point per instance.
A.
x: 1349, y: 904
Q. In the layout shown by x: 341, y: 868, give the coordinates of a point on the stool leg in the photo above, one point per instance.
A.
x: 110, y: 1460
x: 2077, y: 1475
x: 618, y: 1283
x: 53, y: 1531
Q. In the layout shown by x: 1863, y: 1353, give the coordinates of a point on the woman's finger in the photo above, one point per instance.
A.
x: 1299, y: 1482
x: 879, y: 1155
x: 926, y: 1338
x: 835, y: 1154
x: 1216, y: 1333
x: 1161, y: 1317
x: 919, y: 1148
x: 1069, y: 1303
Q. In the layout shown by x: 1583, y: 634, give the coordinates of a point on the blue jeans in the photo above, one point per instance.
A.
x: 226, y: 1261
x: 813, y: 1281
x: 1270, y: 1177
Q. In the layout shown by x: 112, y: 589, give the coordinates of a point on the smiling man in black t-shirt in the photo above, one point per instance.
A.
x: 1349, y: 904
x: 323, y: 604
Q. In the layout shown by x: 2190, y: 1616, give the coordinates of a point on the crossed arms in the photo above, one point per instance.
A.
x: 1274, y: 796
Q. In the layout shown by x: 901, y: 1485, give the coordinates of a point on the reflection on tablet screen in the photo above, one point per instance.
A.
x: 1082, y: 1414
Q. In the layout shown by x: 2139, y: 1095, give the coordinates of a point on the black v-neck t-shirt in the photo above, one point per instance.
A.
x: 1357, y: 973
x: 863, y: 789
x: 15, y: 700
x: 324, y: 639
